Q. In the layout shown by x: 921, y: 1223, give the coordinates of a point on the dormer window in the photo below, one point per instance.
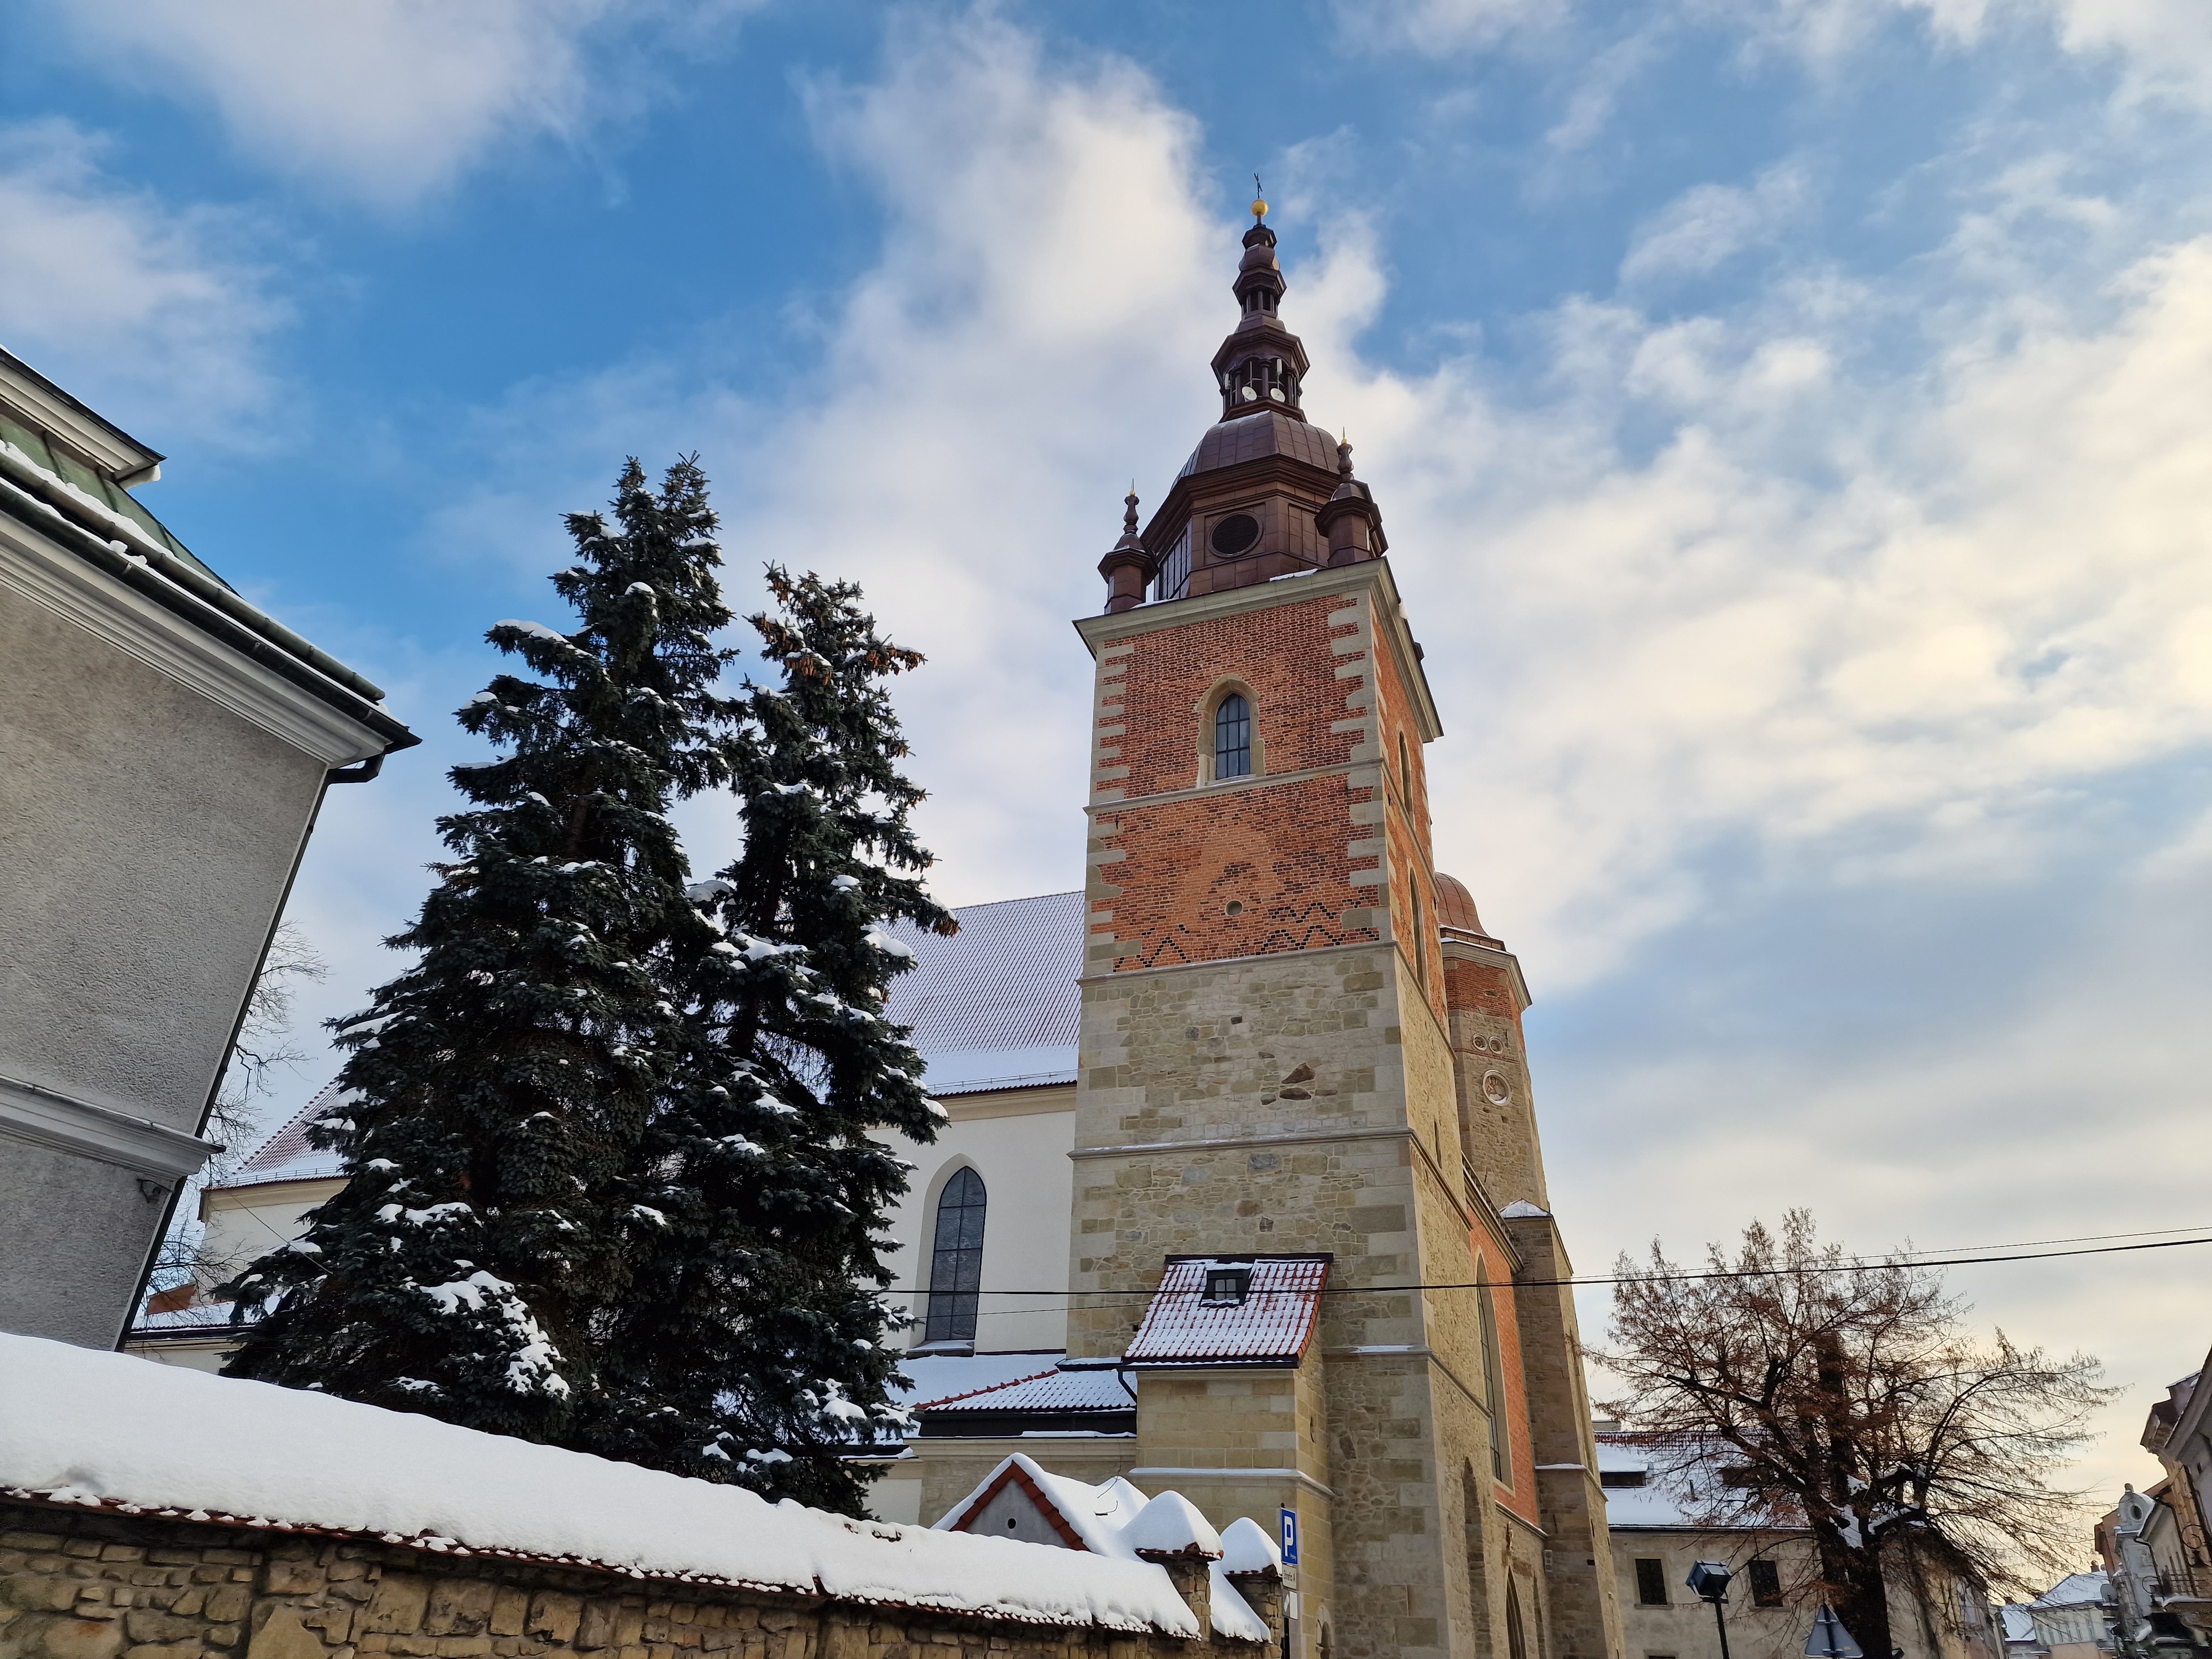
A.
x: 1227, y: 1287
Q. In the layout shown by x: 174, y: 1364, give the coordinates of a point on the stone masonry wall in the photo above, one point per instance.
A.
x: 84, y: 1583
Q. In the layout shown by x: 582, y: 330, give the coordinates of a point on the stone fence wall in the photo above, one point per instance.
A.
x: 84, y: 1583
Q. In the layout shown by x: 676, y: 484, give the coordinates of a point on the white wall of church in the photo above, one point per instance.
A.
x: 1018, y: 1141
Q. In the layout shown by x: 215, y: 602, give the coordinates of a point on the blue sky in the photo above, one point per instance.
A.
x: 1789, y: 416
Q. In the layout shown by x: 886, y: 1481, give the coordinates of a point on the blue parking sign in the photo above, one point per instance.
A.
x: 1290, y: 1537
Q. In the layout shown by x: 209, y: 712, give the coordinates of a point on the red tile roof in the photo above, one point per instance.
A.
x: 1270, y: 1327
x: 1080, y: 1388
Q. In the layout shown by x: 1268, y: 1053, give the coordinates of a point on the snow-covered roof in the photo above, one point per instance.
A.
x: 1270, y: 1327
x: 2075, y: 1589
x: 2018, y: 1623
x: 997, y: 1005
x: 83, y: 1427
x: 1077, y: 1387
x: 1673, y: 1494
x: 1111, y: 1520
x: 935, y: 1377
x: 286, y: 1155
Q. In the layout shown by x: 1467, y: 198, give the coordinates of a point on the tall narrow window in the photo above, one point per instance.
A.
x: 1766, y: 1584
x: 1420, y: 943
x: 956, y: 1264
x: 1516, y: 1639
x: 1406, y: 774
x: 1232, y: 738
x: 1650, y: 1581
x: 1493, y: 1378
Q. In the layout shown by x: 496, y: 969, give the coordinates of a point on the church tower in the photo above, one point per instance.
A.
x: 1301, y: 1065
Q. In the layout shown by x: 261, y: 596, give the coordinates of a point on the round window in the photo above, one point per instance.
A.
x: 1235, y: 534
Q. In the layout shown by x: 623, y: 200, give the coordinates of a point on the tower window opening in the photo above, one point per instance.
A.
x: 1419, y: 942
x: 955, y: 1263
x: 1493, y: 1377
x: 1232, y: 738
x: 1406, y: 774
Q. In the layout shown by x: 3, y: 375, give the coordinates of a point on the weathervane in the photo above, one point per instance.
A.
x: 1259, y: 198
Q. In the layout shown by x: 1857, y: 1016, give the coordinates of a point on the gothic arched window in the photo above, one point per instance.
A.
x: 1493, y: 1375
x: 1232, y: 738
x: 955, y: 1263
x: 1516, y: 1639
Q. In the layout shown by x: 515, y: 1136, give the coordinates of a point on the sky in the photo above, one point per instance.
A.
x: 1789, y: 416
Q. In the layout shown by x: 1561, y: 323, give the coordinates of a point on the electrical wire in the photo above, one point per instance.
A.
x: 1902, y: 1261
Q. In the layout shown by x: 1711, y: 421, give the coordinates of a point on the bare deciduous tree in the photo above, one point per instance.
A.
x: 1852, y: 1401
x: 262, y: 1052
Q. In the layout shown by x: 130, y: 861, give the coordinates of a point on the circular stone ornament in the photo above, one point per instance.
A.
x: 1495, y: 1089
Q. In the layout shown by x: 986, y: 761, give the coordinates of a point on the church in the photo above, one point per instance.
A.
x: 1241, y: 1193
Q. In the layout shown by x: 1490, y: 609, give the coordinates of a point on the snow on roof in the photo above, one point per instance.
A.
x: 1246, y: 1547
x: 938, y: 1378
x: 1672, y: 1495
x: 996, y: 1005
x: 2075, y: 1589
x: 286, y: 1155
x: 1079, y: 1388
x: 1106, y: 1519
x: 2019, y: 1622
x: 1270, y: 1327
x: 1521, y: 1208
x: 78, y: 1426
x: 1171, y: 1525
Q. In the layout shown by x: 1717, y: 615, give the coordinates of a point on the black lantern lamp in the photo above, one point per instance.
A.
x: 1709, y: 1582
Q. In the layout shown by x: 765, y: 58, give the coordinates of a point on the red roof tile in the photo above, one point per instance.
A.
x: 1270, y: 1327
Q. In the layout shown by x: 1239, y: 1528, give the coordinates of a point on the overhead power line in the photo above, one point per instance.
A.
x: 1893, y: 1265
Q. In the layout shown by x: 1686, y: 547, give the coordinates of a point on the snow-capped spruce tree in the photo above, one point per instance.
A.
x: 757, y: 1322
x: 501, y: 1133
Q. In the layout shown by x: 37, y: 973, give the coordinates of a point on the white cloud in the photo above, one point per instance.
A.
x: 1888, y: 632
x: 1709, y: 224
x: 388, y: 100
x: 156, y: 315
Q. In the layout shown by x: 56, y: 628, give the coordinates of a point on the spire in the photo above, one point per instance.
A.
x: 1261, y: 365
x: 1126, y: 566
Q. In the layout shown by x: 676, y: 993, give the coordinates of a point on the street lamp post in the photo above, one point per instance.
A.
x: 1709, y: 1582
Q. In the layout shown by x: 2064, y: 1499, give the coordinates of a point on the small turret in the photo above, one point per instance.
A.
x: 1349, y: 518
x: 1127, y: 568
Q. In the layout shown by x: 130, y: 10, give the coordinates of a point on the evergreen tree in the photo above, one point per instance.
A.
x: 487, y: 1239
x: 752, y: 1346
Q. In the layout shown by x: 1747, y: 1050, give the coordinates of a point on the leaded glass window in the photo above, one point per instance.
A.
x: 955, y: 1263
x: 1232, y: 738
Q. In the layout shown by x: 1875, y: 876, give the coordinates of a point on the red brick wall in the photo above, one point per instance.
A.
x: 1484, y: 989
x: 1281, y: 652
x: 1517, y: 1492
x: 1277, y: 851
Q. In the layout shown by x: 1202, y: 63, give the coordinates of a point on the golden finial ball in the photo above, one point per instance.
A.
x: 1259, y: 207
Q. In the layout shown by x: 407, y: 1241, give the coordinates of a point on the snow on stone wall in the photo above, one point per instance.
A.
x: 87, y: 1425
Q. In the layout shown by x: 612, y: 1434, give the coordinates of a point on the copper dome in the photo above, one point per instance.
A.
x: 1456, y: 906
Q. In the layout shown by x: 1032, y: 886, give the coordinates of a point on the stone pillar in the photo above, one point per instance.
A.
x: 1193, y: 1576
x: 1263, y: 1594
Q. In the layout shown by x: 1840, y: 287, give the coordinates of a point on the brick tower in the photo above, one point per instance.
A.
x: 1301, y: 1061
